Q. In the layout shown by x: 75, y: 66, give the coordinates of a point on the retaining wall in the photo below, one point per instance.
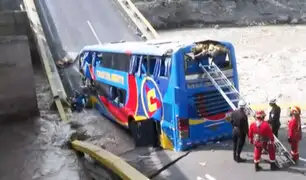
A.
x: 17, y: 89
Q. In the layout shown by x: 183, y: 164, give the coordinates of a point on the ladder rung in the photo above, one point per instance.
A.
x: 230, y: 92
x: 224, y: 85
x: 219, y: 78
x: 235, y: 100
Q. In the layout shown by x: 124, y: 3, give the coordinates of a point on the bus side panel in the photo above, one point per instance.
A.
x: 234, y: 65
x: 150, y: 104
x: 97, y: 104
x: 104, y: 104
x: 154, y: 104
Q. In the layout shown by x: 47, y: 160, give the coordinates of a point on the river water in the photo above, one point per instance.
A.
x: 33, y: 148
x: 37, y: 148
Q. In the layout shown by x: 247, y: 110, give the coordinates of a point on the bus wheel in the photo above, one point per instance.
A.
x: 157, y: 133
x: 133, y: 129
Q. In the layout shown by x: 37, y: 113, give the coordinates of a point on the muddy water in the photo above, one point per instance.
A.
x: 37, y: 148
x: 32, y: 149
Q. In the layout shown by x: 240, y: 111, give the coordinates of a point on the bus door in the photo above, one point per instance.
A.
x: 162, y: 73
x: 162, y: 78
x: 144, y: 132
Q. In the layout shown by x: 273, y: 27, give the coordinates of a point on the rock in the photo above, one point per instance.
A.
x: 80, y: 134
x: 294, y: 21
x: 303, y: 18
x: 283, y: 19
x: 75, y: 124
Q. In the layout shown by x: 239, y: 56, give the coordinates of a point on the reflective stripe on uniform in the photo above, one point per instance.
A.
x: 294, y: 153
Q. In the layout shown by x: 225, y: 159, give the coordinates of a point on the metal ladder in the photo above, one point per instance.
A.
x: 231, y: 95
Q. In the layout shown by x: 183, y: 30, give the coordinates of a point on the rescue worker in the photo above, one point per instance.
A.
x: 274, y: 116
x: 261, y: 136
x: 239, y: 121
x: 78, y: 102
x: 295, y: 131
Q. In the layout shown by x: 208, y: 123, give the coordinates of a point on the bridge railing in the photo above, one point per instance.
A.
x: 111, y: 161
x: 54, y: 79
x: 138, y: 19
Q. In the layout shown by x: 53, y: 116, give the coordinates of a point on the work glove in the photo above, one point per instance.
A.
x: 289, y: 140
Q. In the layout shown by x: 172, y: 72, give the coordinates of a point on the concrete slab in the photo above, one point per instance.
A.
x: 17, y: 90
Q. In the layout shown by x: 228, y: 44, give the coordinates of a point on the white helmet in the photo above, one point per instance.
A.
x: 241, y: 104
x: 272, y: 101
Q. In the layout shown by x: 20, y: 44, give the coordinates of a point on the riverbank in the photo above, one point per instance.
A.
x: 169, y: 14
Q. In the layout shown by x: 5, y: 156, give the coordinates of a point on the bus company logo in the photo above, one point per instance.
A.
x: 151, y: 99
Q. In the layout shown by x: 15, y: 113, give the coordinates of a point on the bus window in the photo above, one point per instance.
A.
x: 121, y: 62
x: 136, y: 63
x: 98, y: 59
x: 148, y: 65
x: 117, y: 96
x: 152, y: 63
x: 144, y: 65
x: 107, y: 60
x: 165, y: 67
x: 116, y: 61
x: 222, y: 60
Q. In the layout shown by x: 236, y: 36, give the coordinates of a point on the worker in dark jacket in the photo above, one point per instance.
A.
x: 78, y: 101
x: 239, y: 121
x: 274, y: 117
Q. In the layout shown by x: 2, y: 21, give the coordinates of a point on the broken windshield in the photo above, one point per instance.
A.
x: 205, y: 53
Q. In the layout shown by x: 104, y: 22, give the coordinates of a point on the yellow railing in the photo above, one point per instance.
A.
x: 111, y: 161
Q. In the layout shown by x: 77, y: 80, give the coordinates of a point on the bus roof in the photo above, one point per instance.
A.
x: 152, y: 47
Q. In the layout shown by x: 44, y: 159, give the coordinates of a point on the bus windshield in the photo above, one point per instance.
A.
x: 205, y: 55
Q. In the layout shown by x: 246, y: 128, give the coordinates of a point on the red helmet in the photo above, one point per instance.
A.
x: 260, y: 114
x: 295, y: 110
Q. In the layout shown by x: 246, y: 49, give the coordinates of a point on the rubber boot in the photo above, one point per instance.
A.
x: 274, y: 167
x: 257, y: 167
x: 235, y: 157
x: 240, y: 160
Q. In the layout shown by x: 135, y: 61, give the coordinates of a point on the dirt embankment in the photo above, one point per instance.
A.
x: 167, y: 14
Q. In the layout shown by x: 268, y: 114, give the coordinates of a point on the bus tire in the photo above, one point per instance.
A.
x: 157, y: 133
x: 133, y: 128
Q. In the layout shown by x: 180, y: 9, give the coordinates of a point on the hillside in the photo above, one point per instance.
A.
x: 165, y: 14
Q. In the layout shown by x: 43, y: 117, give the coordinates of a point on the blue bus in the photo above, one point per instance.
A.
x: 157, y: 89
